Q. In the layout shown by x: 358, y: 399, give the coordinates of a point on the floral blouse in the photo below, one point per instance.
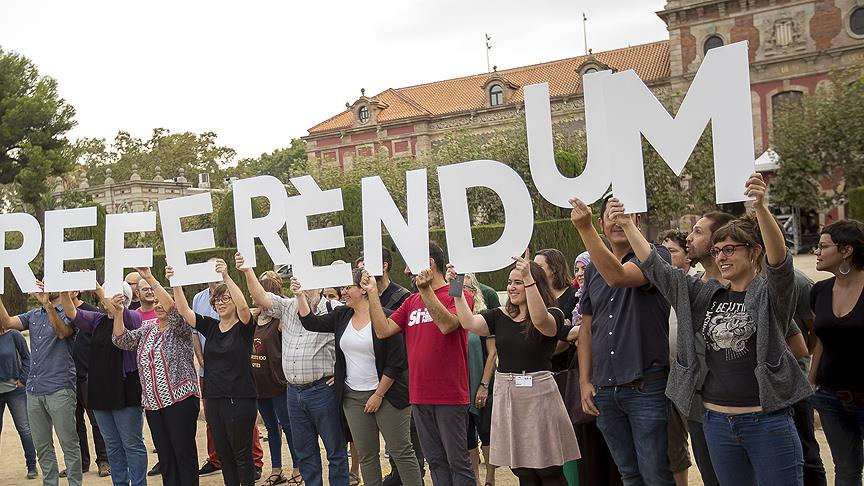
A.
x: 164, y: 361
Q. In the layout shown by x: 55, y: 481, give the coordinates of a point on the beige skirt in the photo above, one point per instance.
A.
x: 530, y: 426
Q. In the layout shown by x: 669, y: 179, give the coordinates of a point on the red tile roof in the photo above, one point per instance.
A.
x: 650, y: 61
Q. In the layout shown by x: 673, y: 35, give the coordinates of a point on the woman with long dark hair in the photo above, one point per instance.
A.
x: 531, y: 430
x: 838, y: 308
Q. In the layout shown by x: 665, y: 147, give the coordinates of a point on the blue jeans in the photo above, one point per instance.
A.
x: 754, y: 448
x: 634, y: 421
x: 123, y: 431
x: 274, y: 412
x: 313, y: 412
x: 17, y: 402
x: 843, y: 423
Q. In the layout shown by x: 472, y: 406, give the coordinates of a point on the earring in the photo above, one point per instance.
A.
x: 845, y: 268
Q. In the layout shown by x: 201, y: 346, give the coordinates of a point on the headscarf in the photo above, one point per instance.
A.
x: 585, y: 259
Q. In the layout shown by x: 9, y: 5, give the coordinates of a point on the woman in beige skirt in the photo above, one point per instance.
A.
x: 531, y: 431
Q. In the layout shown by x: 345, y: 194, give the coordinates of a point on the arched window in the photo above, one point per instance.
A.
x: 363, y: 114
x: 856, y: 21
x: 786, y: 100
x: 712, y: 42
x: 496, y: 95
x: 590, y: 70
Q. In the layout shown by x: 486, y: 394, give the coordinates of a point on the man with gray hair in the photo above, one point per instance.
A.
x: 50, y: 385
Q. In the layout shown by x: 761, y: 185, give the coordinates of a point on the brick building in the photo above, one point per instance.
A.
x: 794, y: 45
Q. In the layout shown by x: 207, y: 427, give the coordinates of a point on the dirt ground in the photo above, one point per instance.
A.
x: 13, y: 471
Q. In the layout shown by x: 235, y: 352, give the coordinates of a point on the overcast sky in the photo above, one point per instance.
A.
x: 260, y: 73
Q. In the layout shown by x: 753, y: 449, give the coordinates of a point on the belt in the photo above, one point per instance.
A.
x: 312, y: 383
x: 847, y: 396
x: 639, y: 383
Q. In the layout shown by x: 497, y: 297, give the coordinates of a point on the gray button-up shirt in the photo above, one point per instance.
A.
x: 629, y: 327
x: 51, y: 368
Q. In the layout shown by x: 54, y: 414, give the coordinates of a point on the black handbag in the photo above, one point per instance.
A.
x: 571, y: 393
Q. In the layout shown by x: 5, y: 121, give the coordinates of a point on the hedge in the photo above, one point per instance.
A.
x: 856, y: 203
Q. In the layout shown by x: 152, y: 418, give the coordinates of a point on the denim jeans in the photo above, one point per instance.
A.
x: 55, y: 411
x: 754, y: 448
x: 17, y: 402
x: 313, y: 412
x: 634, y: 422
x: 274, y: 412
x: 123, y: 432
x: 843, y: 423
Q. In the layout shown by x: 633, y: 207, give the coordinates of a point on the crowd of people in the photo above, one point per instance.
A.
x: 601, y: 372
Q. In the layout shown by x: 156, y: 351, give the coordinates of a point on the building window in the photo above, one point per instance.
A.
x: 856, y: 21
x: 786, y: 100
x: 496, y: 96
x: 783, y: 33
x: 363, y: 114
x: 712, y: 42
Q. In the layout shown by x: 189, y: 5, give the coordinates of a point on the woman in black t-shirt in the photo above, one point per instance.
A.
x: 526, y: 404
x: 230, y: 388
x: 838, y: 309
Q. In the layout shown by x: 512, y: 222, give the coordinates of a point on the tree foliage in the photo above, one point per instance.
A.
x: 34, y: 120
x: 278, y: 163
x: 821, y: 139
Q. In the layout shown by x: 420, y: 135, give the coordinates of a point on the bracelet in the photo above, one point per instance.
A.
x: 485, y: 385
x: 531, y: 284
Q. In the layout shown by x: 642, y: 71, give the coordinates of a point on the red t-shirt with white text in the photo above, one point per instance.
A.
x: 147, y: 317
x: 437, y: 363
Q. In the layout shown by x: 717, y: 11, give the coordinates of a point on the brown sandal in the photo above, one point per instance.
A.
x: 295, y: 480
x: 275, y: 479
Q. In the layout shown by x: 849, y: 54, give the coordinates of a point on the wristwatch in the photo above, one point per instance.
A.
x: 484, y: 385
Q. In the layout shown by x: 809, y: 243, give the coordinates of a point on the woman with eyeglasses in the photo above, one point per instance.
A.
x: 742, y: 370
x: 169, y: 385
x: 836, y: 372
x: 230, y: 388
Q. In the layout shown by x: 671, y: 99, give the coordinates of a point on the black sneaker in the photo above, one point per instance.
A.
x: 392, y: 479
x: 257, y: 473
x: 32, y: 473
x: 155, y: 470
x: 208, y: 468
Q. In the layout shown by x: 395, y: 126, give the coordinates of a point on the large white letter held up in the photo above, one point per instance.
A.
x: 454, y: 181
x: 720, y: 92
x: 267, y: 227
x: 178, y: 242
x: 18, y: 259
x: 411, y: 237
x: 117, y: 256
x: 594, y: 180
x: 57, y: 250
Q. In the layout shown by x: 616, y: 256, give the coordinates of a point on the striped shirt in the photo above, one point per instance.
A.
x: 164, y: 361
x: 306, y: 356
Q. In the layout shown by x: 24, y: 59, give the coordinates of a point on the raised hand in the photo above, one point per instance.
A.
x: 451, y: 272
x: 523, y: 265
x: 144, y: 272
x: 615, y: 213
x: 239, y: 261
x: 41, y: 296
x: 118, y: 300
x: 756, y: 188
x: 221, y: 267
x: 424, y: 279
x: 169, y: 272
x: 296, y: 288
x: 581, y: 214
x: 369, y: 284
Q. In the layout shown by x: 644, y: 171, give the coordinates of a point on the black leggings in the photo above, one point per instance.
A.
x: 231, y: 421
x: 548, y: 476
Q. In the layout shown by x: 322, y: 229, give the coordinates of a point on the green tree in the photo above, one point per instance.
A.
x: 278, y: 163
x: 34, y: 120
x: 821, y: 139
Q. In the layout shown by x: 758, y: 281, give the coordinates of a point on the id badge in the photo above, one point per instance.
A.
x: 524, y: 381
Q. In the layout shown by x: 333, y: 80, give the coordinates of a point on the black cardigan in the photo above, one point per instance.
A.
x: 390, y: 357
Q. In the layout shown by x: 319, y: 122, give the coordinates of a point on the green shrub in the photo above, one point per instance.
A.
x: 856, y: 203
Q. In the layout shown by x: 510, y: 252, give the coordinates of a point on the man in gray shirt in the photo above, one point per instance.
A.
x: 51, y: 385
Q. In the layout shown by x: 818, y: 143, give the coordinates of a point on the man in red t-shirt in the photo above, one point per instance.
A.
x: 437, y: 369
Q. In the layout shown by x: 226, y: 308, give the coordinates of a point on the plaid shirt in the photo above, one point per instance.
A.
x: 306, y: 356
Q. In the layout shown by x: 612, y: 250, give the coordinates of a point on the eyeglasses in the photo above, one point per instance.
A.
x: 727, y: 250
x: 146, y: 289
x: 822, y: 246
x: 223, y: 300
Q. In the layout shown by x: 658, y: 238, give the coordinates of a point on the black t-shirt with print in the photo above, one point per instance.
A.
x: 520, y: 350
x: 730, y: 352
x: 227, y: 356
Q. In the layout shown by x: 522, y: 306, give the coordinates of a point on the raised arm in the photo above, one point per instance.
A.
x: 539, y: 315
x: 308, y: 319
x: 303, y: 308
x: 62, y: 329
x: 162, y: 295
x: 180, y: 300
x: 383, y: 326
x: 616, y: 274
x: 467, y: 319
x: 237, y: 296
x: 637, y: 240
x: 443, y: 318
x: 7, y: 321
x: 772, y: 234
x: 259, y: 296
x: 69, y: 308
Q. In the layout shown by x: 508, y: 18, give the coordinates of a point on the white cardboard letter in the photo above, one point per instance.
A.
x: 720, y: 92
x: 454, y: 181
x: 57, y: 250
x: 18, y: 260
x: 411, y: 237
x: 178, y: 242
x: 303, y: 241
x: 267, y: 227
x: 594, y: 180
x: 117, y: 256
